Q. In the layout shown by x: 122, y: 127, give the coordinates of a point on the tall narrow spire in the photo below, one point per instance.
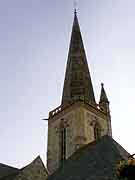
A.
x: 77, y: 78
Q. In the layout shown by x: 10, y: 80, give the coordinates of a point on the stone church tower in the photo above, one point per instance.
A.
x: 79, y: 120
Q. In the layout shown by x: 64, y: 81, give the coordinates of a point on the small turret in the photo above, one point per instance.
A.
x: 104, y: 103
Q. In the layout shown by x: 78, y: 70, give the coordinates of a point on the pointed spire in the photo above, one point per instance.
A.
x: 77, y: 82
x: 103, y: 103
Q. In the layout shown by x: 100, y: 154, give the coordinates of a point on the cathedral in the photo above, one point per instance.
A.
x: 80, y: 143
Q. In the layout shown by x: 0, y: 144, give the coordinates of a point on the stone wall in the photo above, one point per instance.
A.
x: 79, y: 120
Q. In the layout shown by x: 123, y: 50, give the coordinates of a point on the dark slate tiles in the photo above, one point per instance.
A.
x: 95, y: 161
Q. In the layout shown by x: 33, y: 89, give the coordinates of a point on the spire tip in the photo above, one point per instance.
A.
x: 102, y: 84
x: 75, y: 7
x: 75, y: 11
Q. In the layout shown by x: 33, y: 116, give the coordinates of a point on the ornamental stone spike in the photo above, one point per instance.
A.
x: 104, y: 103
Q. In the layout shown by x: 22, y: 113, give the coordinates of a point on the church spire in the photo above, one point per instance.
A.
x: 103, y: 103
x: 77, y: 82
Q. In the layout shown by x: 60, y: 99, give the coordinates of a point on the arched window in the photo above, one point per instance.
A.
x: 97, y: 131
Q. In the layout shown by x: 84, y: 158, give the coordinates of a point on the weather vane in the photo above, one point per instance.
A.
x: 75, y: 5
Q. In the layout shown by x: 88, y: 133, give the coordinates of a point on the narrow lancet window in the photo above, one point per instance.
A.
x: 63, y: 139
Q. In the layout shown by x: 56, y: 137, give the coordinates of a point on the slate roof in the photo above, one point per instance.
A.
x: 6, y: 170
x: 95, y: 161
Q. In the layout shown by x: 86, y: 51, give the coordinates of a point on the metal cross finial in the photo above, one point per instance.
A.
x: 75, y: 7
x: 75, y: 11
x: 102, y: 84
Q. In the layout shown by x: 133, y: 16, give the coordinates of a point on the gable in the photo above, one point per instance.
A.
x: 34, y: 171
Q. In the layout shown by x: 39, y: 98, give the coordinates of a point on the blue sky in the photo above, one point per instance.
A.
x: 34, y: 41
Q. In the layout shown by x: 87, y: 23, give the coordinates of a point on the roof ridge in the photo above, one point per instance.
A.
x: 9, y: 166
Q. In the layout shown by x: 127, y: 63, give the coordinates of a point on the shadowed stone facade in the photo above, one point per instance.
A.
x: 79, y: 120
x: 80, y: 144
